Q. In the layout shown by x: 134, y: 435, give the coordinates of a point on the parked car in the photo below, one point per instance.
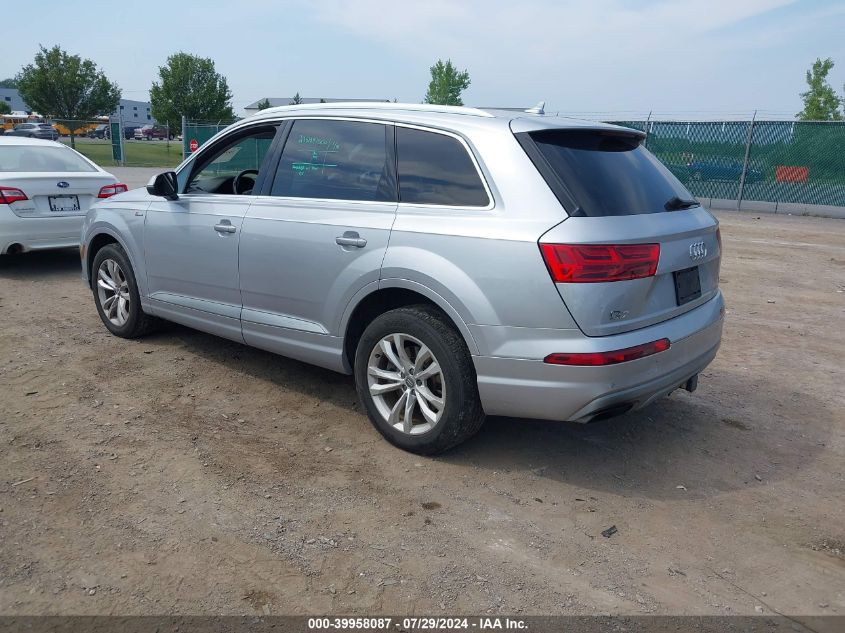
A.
x: 45, y: 190
x: 458, y: 262
x: 150, y: 132
x: 722, y: 170
x: 129, y: 130
x: 101, y: 131
x: 35, y: 130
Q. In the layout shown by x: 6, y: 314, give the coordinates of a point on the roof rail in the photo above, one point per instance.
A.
x: 379, y: 105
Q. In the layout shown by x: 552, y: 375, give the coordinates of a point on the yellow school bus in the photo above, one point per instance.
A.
x: 11, y: 120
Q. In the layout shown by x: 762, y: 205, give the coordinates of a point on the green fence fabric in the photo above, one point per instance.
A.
x: 201, y: 132
x: 787, y: 161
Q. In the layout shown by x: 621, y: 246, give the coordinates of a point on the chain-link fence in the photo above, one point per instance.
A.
x: 753, y: 161
x: 196, y: 133
x: 111, y: 142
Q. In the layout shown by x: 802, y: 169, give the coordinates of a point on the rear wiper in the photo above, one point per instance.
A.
x: 676, y: 204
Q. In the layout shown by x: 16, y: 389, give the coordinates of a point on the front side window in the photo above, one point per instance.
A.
x: 335, y: 160
x: 232, y: 166
x: 436, y: 169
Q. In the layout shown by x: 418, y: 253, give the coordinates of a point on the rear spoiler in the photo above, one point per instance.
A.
x: 544, y: 123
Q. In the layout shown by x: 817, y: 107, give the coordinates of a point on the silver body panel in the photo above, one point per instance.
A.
x: 280, y: 281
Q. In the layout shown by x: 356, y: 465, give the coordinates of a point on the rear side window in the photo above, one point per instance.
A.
x: 436, y: 169
x: 335, y: 160
x: 607, y: 173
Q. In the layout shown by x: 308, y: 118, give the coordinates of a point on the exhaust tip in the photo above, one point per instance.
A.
x: 612, y: 411
x: 691, y: 384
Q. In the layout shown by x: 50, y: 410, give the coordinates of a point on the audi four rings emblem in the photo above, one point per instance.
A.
x: 697, y: 250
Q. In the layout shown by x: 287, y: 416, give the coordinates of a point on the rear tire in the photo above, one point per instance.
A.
x: 415, y: 353
x: 116, y: 294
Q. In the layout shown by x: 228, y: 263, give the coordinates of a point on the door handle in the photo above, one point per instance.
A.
x: 224, y: 227
x: 351, y: 238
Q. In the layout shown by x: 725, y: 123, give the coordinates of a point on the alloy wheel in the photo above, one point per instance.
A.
x: 113, y: 292
x: 406, y: 384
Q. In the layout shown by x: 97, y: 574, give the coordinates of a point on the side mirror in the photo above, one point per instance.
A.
x: 164, y: 185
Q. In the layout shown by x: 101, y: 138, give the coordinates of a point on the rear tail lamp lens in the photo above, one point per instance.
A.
x: 112, y: 190
x: 600, y: 359
x: 592, y: 263
x: 8, y: 195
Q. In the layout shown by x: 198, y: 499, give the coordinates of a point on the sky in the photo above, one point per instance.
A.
x: 704, y: 59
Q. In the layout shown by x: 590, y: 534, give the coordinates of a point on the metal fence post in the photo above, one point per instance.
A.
x: 647, y: 125
x: 122, y: 137
x: 745, y: 162
x: 184, y: 136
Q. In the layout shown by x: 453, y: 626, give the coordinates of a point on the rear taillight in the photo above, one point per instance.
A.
x: 591, y: 263
x: 719, y: 239
x: 8, y: 195
x: 598, y: 359
x: 112, y: 190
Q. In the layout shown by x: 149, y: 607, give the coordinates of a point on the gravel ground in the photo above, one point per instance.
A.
x: 186, y: 474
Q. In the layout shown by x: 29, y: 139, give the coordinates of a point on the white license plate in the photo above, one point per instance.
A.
x: 63, y: 203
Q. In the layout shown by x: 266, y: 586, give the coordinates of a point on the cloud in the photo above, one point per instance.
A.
x: 551, y: 46
x: 535, y: 26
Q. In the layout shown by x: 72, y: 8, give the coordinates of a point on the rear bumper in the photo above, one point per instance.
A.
x: 38, y: 233
x: 527, y: 387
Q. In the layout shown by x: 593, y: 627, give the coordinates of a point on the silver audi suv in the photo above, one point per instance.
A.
x: 458, y: 262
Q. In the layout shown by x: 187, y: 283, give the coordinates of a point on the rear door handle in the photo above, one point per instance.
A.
x: 351, y: 238
x: 225, y: 226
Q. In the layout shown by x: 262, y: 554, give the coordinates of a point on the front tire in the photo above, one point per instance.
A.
x: 116, y: 294
x: 416, y: 380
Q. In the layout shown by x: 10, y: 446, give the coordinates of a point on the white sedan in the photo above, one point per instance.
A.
x: 46, y: 188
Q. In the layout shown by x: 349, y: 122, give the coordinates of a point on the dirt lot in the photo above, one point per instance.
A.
x: 186, y: 474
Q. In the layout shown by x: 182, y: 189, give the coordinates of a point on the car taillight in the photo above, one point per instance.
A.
x: 598, y: 359
x: 112, y: 190
x: 719, y: 239
x: 8, y: 195
x: 591, y: 263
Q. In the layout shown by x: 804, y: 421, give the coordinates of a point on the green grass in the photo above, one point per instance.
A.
x: 138, y: 153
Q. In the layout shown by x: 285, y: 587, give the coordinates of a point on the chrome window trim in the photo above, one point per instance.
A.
x: 491, y: 201
x: 491, y: 204
x: 468, y: 149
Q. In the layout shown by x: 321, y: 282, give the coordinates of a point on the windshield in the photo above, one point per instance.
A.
x: 41, y: 159
x: 609, y: 173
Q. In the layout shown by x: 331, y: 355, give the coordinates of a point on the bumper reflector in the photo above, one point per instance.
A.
x: 598, y: 359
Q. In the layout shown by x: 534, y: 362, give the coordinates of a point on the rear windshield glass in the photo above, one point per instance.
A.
x: 41, y: 159
x: 609, y: 173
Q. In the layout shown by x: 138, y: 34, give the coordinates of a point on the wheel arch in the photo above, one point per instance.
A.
x: 103, y: 237
x: 378, y: 298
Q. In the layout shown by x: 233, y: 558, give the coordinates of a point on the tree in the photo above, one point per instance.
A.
x: 296, y: 99
x: 190, y: 86
x: 446, y: 84
x: 5, y: 108
x: 8, y: 83
x: 67, y: 87
x: 820, y: 101
x: 263, y: 104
